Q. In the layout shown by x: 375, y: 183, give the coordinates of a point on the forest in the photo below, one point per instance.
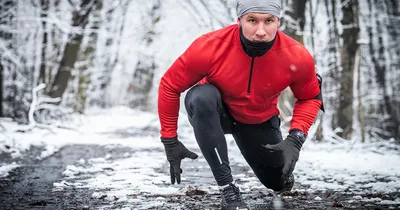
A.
x: 59, y: 57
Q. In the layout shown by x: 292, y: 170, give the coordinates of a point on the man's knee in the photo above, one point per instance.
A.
x: 202, y: 99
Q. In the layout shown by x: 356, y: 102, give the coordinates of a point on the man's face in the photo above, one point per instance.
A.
x: 259, y: 27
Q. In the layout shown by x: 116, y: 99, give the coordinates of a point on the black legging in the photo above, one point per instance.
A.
x: 210, y: 120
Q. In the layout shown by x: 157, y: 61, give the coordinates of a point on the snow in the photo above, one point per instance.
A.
x: 317, y: 198
x: 359, y: 168
x: 5, y: 169
x: 349, y: 168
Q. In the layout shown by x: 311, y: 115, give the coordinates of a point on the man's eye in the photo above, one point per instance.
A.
x: 269, y: 21
x: 252, y: 21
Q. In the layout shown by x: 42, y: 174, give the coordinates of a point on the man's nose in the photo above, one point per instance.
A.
x: 260, y: 30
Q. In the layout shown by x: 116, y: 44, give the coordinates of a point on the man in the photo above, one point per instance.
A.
x: 236, y: 75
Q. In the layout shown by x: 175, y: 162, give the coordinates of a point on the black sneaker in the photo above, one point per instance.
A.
x: 231, y: 198
x: 288, y: 184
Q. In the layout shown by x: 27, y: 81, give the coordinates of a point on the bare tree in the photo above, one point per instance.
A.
x: 43, y: 17
x: 113, y: 19
x: 383, y: 37
x: 88, y: 55
x: 348, y: 55
x: 8, y: 61
x: 392, y: 100
x: 3, y: 35
x: 79, y: 21
x: 294, y: 19
x: 144, y: 71
x: 1, y: 90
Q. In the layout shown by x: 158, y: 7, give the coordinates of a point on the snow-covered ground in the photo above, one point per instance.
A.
x: 348, y: 167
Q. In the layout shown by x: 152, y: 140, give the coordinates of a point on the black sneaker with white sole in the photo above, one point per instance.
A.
x: 232, y: 199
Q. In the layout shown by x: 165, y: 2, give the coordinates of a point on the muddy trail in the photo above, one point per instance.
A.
x: 31, y: 186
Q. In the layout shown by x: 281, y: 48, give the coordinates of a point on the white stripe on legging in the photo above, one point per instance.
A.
x: 219, y: 158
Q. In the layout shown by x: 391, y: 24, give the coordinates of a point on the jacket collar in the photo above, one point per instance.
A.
x: 238, y: 42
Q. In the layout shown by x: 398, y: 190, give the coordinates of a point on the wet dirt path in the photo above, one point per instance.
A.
x: 32, y: 187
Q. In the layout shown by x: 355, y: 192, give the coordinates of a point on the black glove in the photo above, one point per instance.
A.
x: 176, y: 151
x: 290, y: 148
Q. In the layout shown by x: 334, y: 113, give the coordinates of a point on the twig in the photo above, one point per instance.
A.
x: 352, y: 145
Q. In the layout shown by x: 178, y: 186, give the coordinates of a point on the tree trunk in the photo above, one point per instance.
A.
x: 8, y: 102
x: 332, y: 63
x: 392, y: 99
x: 295, y: 29
x: 319, y: 134
x: 312, y: 22
x: 387, y: 111
x: 392, y: 49
x: 348, y: 54
x: 88, y: 55
x: 53, y: 46
x: 101, y: 78
x: 146, y: 66
x: 1, y: 87
x: 43, y: 16
x: 360, y: 107
x: 70, y: 52
x: 394, y: 4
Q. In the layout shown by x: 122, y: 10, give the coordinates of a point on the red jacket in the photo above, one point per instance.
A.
x: 249, y: 87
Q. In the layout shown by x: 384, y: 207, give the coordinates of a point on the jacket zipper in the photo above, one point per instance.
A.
x: 251, y: 73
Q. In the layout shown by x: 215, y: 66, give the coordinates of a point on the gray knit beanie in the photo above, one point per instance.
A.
x: 272, y: 7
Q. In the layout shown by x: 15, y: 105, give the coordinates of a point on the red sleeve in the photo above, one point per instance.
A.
x: 187, y: 70
x: 305, y: 88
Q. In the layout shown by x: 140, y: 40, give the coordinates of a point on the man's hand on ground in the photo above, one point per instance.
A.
x: 176, y: 151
